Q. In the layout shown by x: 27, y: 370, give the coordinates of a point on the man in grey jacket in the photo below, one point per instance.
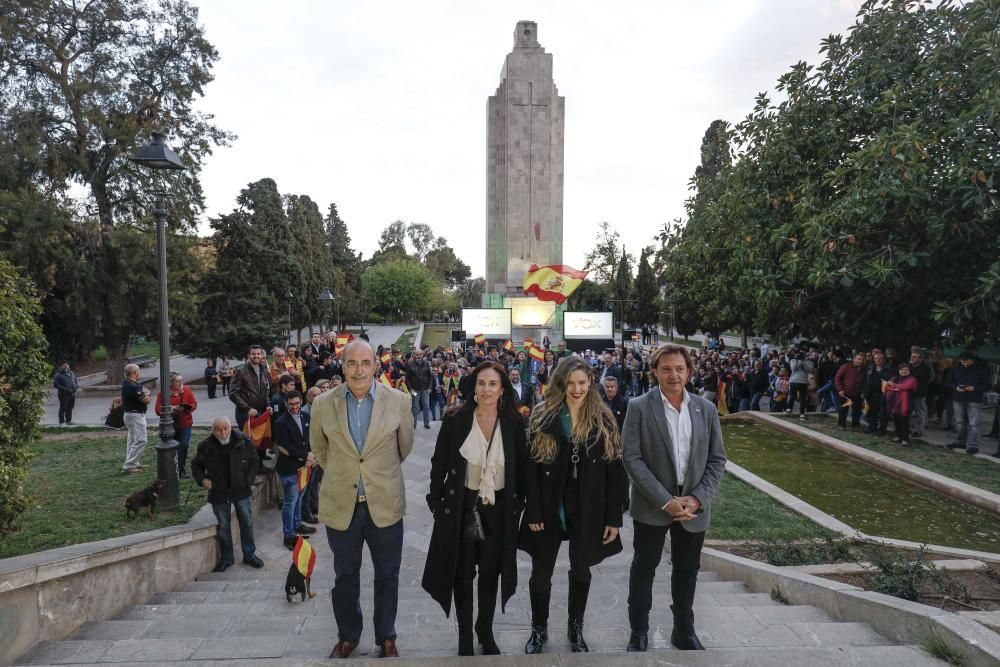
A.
x: 672, y: 449
x: 66, y: 386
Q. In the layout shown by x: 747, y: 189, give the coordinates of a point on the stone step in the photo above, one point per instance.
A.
x: 292, y: 653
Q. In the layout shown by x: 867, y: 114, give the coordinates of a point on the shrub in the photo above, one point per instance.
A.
x: 24, y: 378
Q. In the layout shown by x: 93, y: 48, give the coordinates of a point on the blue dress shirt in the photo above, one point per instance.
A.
x: 359, y: 417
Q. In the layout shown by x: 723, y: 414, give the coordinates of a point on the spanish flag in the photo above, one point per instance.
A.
x: 303, y: 478
x: 552, y: 283
x: 386, y: 358
x: 304, y: 557
x: 384, y: 379
x: 480, y: 339
x: 528, y: 343
x: 258, y: 429
x: 342, y: 340
x: 536, y: 353
x: 508, y: 346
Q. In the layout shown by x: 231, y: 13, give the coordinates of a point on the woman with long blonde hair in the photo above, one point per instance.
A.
x: 573, y: 492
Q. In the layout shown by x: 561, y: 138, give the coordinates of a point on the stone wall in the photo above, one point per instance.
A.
x: 49, y: 594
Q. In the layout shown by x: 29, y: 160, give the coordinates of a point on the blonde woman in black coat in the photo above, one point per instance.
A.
x: 573, y: 492
x: 468, y: 474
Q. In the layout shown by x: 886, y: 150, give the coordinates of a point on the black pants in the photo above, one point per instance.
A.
x: 310, y: 497
x: 210, y: 385
x: 902, y: 425
x: 878, y: 415
x: 225, y: 384
x: 798, y: 391
x: 66, y: 402
x: 685, y: 557
x: 482, y: 557
x: 854, y: 409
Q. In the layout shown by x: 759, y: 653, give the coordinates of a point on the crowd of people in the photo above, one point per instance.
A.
x: 537, y: 446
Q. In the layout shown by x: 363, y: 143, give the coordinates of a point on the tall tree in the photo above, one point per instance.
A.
x: 602, y: 260
x: 80, y: 84
x: 645, y: 291
x: 445, y: 264
x: 345, y: 273
x: 471, y: 291
x: 308, y: 233
x: 400, y: 287
x: 242, y: 295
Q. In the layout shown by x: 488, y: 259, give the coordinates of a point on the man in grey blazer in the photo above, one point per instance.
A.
x: 672, y: 449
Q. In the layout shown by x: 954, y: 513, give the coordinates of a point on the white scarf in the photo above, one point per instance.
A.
x: 473, y: 450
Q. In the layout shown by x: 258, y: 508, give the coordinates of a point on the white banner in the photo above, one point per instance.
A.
x: 491, y: 322
x: 588, y: 325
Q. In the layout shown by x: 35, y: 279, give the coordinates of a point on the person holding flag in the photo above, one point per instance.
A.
x: 295, y: 461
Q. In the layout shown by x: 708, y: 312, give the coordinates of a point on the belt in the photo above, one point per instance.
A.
x: 136, y: 412
x: 362, y: 498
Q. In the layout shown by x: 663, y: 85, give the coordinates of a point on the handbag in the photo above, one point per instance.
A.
x: 472, y: 523
x: 116, y: 414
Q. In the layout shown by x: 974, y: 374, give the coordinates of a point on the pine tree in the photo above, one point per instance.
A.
x: 344, y: 272
x: 645, y: 291
x: 309, y: 237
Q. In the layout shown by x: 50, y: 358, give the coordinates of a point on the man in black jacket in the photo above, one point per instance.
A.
x: 880, y: 371
x: 226, y: 465
x: 618, y: 404
x: 291, y: 435
x: 524, y: 393
x: 251, y: 388
x: 420, y: 382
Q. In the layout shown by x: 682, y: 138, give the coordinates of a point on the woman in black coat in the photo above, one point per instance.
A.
x: 573, y: 492
x: 468, y: 473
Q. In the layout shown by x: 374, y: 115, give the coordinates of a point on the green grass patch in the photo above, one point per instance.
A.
x: 438, y: 334
x: 741, y: 512
x: 955, y: 464
x: 150, y: 348
x: 405, y: 340
x: 78, y: 494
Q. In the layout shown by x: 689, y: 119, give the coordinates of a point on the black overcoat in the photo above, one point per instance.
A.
x: 600, y: 499
x: 446, y: 501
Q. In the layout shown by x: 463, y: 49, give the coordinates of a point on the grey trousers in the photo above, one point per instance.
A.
x: 136, y: 442
x: 918, y: 413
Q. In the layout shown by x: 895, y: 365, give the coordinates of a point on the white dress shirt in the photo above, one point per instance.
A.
x: 679, y: 423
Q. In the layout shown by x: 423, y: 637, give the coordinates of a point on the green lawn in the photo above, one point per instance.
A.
x: 150, y: 348
x: 405, y: 341
x: 741, y: 512
x: 955, y: 464
x: 78, y: 494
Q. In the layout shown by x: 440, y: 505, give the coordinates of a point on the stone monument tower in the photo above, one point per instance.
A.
x: 524, y: 207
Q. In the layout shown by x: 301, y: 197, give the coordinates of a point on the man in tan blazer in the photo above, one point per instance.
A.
x: 360, y: 434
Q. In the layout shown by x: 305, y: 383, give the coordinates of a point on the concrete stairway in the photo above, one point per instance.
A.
x: 241, y: 616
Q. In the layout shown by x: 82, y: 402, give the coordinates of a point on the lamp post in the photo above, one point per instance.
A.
x: 156, y: 155
x: 325, y: 297
x: 288, y: 297
x: 612, y: 303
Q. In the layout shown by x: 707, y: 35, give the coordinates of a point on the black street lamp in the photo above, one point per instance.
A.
x: 289, y: 297
x: 325, y: 297
x: 156, y: 155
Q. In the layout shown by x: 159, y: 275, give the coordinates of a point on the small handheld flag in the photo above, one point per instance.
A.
x: 480, y: 339
x: 508, y: 346
x: 304, y: 557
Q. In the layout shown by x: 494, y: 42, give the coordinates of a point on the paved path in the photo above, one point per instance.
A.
x: 241, y: 616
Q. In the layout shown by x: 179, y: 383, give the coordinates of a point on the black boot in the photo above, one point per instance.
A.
x: 577, y: 606
x: 463, y: 615
x: 487, y: 608
x: 683, y: 635
x: 539, y: 619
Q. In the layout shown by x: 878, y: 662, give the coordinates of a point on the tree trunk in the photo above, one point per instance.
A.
x: 743, y: 343
x: 115, y: 334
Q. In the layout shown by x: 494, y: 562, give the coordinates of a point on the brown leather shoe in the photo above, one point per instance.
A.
x: 387, y: 649
x: 343, y: 649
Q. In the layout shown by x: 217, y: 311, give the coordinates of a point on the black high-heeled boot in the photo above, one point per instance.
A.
x: 463, y: 615
x: 539, y: 620
x: 577, y: 606
x: 484, y: 622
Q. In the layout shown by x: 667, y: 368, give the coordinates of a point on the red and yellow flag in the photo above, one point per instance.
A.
x: 342, y: 340
x: 536, y: 353
x: 303, y: 478
x: 384, y: 379
x: 528, y: 343
x: 480, y: 339
x: 386, y: 358
x: 552, y: 283
x: 258, y: 429
x: 304, y: 557
x: 508, y: 346
x: 720, y: 399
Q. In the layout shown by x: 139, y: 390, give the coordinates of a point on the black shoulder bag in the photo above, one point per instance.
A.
x: 472, y: 524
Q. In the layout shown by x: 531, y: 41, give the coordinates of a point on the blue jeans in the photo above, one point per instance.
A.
x: 421, y: 401
x: 828, y: 397
x: 437, y: 405
x: 183, y: 438
x: 291, y: 504
x: 967, y: 421
x: 755, y: 402
x: 223, y: 513
x: 386, y: 548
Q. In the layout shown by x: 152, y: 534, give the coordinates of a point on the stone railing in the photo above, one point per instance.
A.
x: 49, y: 594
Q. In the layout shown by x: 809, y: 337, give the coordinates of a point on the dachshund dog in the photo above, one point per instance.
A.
x: 145, y: 498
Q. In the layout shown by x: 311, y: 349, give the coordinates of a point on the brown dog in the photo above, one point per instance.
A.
x: 145, y: 498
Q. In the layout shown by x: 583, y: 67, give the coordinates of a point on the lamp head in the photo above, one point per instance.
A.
x: 157, y: 155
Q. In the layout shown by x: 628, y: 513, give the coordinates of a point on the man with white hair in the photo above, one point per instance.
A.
x: 226, y: 465
x: 135, y: 400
